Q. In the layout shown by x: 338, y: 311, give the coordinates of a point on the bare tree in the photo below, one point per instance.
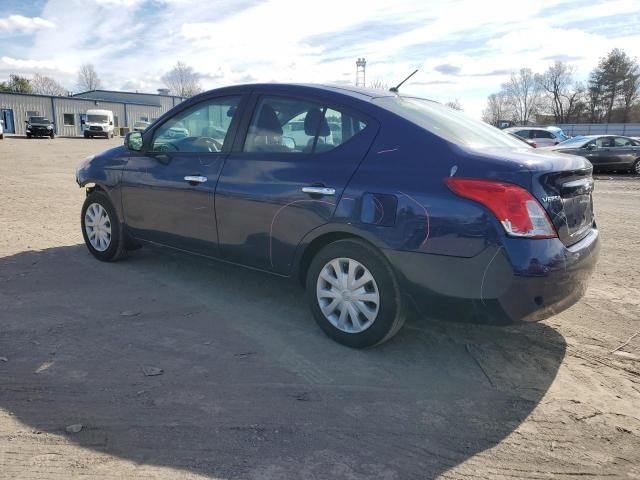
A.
x: 182, y: 80
x: 498, y: 108
x: 88, y: 78
x: 47, y: 86
x: 523, y: 94
x: 379, y: 85
x: 455, y: 104
x: 556, y: 84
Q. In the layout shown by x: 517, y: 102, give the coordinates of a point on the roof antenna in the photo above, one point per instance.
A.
x: 395, y: 89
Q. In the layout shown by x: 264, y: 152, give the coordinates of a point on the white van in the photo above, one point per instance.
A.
x: 99, y: 123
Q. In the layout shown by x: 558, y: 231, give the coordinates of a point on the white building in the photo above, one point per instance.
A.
x: 68, y: 113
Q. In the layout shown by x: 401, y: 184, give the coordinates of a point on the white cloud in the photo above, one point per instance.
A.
x: 21, y: 24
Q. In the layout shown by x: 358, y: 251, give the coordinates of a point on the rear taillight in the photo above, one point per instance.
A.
x: 518, y: 211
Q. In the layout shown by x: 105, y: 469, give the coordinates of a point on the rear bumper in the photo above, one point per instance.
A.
x: 518, y: 281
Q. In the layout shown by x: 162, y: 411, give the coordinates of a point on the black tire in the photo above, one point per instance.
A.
x: 52, y: 136
x: 116, y: 248
x: 86, y: 135
x: 28, y: 135
x: 391, y: 311
x: 1, y: 136
x: 635, y: 169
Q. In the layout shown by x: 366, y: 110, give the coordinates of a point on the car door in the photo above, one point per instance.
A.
x: 168, y: 188
x: 275, y: 188
x: 543, y: 138
x: 598, y: 152
x: 624, y: 152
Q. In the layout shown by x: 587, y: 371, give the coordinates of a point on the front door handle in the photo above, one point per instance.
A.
x: 195, y: 179
x: 319, y: 190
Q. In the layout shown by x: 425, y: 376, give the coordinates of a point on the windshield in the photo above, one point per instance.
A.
x: 97, y: 118
x: 39, y: 120
x: 447, y: 123
x: 559, y: 134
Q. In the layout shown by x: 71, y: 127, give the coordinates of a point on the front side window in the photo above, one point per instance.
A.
x: 201, y: 128
x: 524, y: 133
x: 287, y: 125
x: 603, y: 142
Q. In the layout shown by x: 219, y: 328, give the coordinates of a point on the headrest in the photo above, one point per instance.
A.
x: 268, y: 120
x: 311, y: 121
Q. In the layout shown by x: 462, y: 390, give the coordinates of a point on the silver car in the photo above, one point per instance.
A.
x: 541, y: 136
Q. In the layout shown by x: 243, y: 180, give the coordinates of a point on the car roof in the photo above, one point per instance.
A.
x: 526, y: 127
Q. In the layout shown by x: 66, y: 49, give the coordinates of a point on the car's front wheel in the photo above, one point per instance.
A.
x: 636, y: 167
x: 354, y: 295
x: 101, y: 228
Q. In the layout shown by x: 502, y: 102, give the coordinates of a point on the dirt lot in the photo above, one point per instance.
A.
x: 252, y: 389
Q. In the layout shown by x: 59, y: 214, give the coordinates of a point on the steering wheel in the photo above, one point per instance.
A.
x: 209, y: 143
x: 166, y: 147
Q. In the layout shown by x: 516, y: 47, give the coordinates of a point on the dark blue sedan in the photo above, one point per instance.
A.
x: 381, y: 204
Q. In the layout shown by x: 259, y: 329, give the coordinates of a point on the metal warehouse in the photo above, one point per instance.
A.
x: 69, y: 113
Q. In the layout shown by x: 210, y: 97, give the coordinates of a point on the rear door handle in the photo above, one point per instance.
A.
x: 319, y: 190
x: 195, y: 179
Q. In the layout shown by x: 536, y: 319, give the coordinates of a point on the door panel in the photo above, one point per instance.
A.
x: 168, y: 190
x: 161, y: 206
x: 262, y: 212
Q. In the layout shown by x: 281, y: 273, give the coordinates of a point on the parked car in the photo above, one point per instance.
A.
x: 605, y: 152
x: 529, y: 142
x: 1, y: 129
x: 39, y: 127
x: 542, y: 136
x: 140, y: 126
x: 99, y: 123
x: 416, y: 206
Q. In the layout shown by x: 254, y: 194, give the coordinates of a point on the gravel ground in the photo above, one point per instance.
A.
x: 250, y: 387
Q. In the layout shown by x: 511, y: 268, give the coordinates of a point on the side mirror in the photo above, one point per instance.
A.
x: 289, y: 142
x: 133, y: 141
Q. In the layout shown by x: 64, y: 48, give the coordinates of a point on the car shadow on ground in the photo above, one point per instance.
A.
x: 250, y: 387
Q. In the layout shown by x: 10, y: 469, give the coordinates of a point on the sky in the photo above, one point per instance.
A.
x: 464, y: 49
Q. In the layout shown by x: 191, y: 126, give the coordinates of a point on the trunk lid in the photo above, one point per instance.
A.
x: 562, y: 183
x: 566, y: 195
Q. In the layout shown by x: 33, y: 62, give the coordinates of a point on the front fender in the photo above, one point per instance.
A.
x: 104, y: 171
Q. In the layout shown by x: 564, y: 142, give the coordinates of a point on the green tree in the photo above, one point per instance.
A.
x: 16, y: 84
x: 614, y: 82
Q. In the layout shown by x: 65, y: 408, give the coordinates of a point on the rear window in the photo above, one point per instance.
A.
x: 447, y: 123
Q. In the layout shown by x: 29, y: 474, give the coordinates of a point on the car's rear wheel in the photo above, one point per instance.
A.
x: 101, y: 228
x: 28, y: 135
x: 354, y: 295
x: 636, y: 167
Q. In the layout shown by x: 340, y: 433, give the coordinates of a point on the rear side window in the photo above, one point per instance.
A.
x: 288, y: 125
x: 622, y: 142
